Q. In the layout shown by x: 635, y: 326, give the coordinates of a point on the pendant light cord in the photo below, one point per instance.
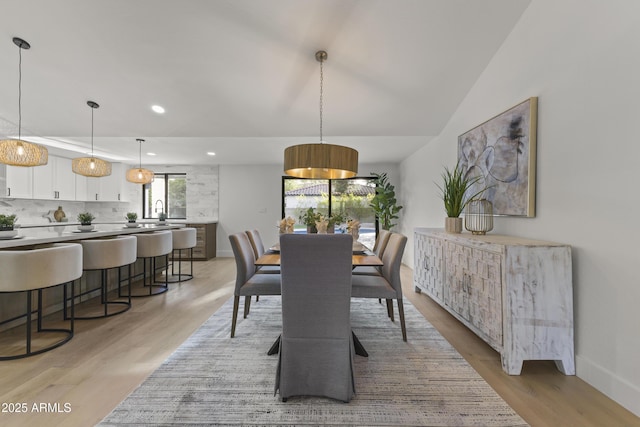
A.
x: 19, y: 92
x: 321, y: 86
x: 92, y: 132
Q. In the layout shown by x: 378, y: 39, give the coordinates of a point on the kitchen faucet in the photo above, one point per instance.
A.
x: 161, y: 206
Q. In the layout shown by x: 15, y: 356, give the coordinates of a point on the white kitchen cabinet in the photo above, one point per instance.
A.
x: 107, y: 188
x: 19, y: 182
x: 55, y: 180
x: 514, y: 293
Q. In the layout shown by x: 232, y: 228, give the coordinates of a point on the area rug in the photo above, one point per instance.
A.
x: 212, y: 379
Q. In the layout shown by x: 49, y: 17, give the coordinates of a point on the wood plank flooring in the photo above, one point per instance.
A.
x: 108, y: 358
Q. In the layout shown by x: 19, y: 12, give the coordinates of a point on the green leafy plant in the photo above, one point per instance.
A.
x: 309, y: 218
x: 384, y: 203
x: 162, y: 216
x: 132, y: 216
x: 7, y: 222
x: 85, y: 218
x: 337, y: 219
x: 455, y: 185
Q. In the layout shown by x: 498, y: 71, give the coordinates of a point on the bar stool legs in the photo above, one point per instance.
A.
x: 180, y: 277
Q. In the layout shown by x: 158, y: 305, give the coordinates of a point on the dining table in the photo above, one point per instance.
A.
x: 361, y: 257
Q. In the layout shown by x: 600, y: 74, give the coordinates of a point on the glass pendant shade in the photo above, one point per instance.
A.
x: 17, y: 152
x: 320, y: 161
x: 140, y: 175
x: 91, y: 166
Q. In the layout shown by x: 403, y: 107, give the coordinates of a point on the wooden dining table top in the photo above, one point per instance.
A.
x: 358, y: 259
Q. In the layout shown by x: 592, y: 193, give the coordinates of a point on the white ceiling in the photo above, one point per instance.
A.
x: 239, y: 77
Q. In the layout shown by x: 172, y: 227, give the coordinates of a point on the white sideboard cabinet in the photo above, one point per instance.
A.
x: 514, y: 293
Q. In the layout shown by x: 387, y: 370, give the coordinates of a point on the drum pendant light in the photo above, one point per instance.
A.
x: 140, y: 175
x: 17, y: 152
x: 91, y: 166
x: 320, y: 161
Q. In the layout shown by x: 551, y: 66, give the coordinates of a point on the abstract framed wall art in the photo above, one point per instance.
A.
x: 502, y: 152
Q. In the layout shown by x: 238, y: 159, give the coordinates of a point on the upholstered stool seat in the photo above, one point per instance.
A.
x: 149, y: 247
x: 102, y: 255
x: 37, y: 269
x: 183, y: 239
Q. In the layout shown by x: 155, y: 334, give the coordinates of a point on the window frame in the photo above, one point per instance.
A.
x: 165, y: 176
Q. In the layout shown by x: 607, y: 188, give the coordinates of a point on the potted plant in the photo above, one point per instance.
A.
x: 336, y: 219
x: 384, y: 203
x: 7, y: 223
x: 454, y: 189
x: 85, y: 219
x: 309, y: 218
x: 162, y: 217
x: 131, y: 219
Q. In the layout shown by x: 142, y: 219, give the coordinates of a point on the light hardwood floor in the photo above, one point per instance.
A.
x: 108, y: 358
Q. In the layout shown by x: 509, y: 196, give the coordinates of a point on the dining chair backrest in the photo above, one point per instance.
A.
x: 256, y: 243
x: 245, y: 261
x: 381, y: 242
x: 316, y: 348
x: 392, y: 260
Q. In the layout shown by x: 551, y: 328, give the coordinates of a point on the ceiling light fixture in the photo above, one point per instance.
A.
x: 158, y: 109
x: 321, y: 161
x: 140, y: 175
x: 17, y: 152
x: 210, y: 153
x: 91, y: 166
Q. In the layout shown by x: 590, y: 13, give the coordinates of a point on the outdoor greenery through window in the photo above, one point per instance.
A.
x: 166, y: 194
x: 347, y: 197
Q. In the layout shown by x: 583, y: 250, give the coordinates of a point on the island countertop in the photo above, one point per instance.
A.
x: 28, y: 236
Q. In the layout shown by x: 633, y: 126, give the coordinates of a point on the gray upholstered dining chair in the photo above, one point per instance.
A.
x: 378, y: 248
x: 388, y: 285
x: 316, y: 345
x: 248, y: 283
x: 258, y: 250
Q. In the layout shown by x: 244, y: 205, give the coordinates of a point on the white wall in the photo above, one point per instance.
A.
x: 251, y: 197
x: 581, y: 58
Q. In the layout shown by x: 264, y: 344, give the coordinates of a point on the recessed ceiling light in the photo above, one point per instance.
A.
x: 210, y: 153
x: 158, y: 109
x: 151, y: 154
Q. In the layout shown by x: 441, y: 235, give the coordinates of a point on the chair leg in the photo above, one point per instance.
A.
x: 401, y: 315
x: 257, y: 298
x: 390, y: 309
x: 247, y: 305
x: 234, y: 316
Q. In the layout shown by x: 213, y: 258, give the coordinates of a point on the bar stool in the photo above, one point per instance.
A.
x: 183, y: 238
x: 28, y: 270
x: 104, y: 254
x: 150, y: 246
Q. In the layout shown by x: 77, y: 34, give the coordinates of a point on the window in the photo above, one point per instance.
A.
x: 350, y: 197
x: 167, y: 193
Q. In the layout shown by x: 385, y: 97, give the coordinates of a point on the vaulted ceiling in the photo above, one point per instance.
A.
x: 239, y: 77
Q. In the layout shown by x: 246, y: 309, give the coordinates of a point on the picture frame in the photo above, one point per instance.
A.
x: 502, y: 153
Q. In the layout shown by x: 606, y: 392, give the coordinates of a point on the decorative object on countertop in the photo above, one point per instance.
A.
x: 131, y: 219
x: 59, y: 215
x: 309, y: 218
x: 384, y: 203
x: 7, y: 225
x: 162, y: 217
x: 502, y: 151
x: 16, y: 152
x: 91, y: 166
x: 322, y: 225
x: 454, y: 194
x: 353, y: 228
x: 321, y: 160
x: 85, y: 219
x: 478, y: 217
x: 140, y: 175
x: 285, y: 225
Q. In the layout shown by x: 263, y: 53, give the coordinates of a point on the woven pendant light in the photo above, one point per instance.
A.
x: 140, y: 175
x: 17, y: 152
x: 320, y: 161
x: 91, y: 166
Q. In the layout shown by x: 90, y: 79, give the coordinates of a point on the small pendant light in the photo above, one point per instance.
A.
x: 91, y: 166
x: 140, y: 175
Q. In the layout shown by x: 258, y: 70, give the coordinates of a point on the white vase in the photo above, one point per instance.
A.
x: 85, y: 227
